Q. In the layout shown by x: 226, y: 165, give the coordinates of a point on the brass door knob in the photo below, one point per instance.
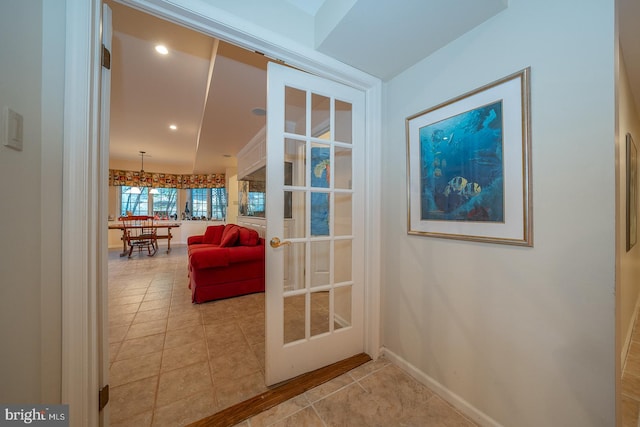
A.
x: 276, y: 242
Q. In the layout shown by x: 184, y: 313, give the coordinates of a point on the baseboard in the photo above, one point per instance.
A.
x: 456, y: 401
x: 281, y: 393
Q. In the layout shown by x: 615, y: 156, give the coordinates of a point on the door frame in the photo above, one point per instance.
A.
x: 83, y: 237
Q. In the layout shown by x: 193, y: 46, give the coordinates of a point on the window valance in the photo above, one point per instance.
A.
x: 164, y: 180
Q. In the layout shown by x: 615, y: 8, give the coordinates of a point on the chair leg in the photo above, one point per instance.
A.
x: 152, y: 245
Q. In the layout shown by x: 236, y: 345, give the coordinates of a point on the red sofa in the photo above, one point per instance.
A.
x: 226, y: 261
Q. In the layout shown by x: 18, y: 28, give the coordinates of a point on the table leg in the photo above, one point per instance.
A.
x: 124, y: 243
x: 169, y: 239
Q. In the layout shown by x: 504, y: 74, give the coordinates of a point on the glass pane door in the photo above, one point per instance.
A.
x: 314, y: 287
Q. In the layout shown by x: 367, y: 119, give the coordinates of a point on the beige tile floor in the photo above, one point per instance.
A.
x: 631, y: 381
x: 173, y: 362
x: 166, y: 353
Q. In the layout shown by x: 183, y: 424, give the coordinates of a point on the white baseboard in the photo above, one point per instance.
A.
x: 456, y: 401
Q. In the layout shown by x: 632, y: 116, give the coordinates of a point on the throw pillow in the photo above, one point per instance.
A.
x: 248, y: 237
x: 229, y: 236
x: 213, y: 234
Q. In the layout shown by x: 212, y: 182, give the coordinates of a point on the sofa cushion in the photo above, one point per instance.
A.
x: 241, y: 254
x: 194, y: 240
x: 248, y: 237
x: 210, y: 257
x: 229, y: 235
x: 213, y: 234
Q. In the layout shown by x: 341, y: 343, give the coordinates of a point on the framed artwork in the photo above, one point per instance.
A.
x: 469, y: 166
x: 632, y: 192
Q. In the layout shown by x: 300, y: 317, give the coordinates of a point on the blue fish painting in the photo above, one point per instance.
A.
x: 461, y: 167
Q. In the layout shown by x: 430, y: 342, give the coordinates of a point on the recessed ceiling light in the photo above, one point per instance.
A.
x: 173, y: 127
x: 259, y: 111
x: 162, y: 49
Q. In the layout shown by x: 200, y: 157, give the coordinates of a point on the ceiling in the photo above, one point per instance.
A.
x: 208, y: 88
x: 204, y: 87
x: 384, y: 38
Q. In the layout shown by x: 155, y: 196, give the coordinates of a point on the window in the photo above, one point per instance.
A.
x: 210, y: 203
x: 199, y: 202
x: 132, y: 202
x: 165, y: 202
x: 218, y: 203
x: 256, y: 203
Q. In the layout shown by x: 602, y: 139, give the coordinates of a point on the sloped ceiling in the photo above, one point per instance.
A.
x: 384, y: 38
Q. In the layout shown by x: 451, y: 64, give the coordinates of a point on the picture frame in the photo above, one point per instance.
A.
x: 632, y: 192
x: 469, y: 165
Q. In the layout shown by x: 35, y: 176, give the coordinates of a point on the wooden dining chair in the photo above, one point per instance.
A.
x: 140, y: 233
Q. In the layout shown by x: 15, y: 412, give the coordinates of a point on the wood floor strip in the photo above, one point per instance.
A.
x: 281, y: 393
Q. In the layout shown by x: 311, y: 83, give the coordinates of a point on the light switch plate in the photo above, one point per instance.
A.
x: 12, y: 137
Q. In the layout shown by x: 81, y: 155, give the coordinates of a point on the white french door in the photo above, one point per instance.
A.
x: 315, y: 223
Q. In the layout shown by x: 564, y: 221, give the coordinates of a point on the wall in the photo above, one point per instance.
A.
x: 53, y: 37
x: 628, y: 122
x: 280, y: 17
x: 518, y: 336
x: 30, y: 310
x: 231, y: 179
x: 149, y: 166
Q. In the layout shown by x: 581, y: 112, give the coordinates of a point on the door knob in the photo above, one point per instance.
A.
x: 276, y: 243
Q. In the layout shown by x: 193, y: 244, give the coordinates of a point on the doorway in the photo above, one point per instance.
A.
x: 166, y: 353
x: 81, y: 284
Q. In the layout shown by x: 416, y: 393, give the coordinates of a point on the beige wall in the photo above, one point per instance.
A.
x: 523, y: 335
x: 31, y: 188
x: 629, y: 283
x: 149, y: 166
x: 231, y: 178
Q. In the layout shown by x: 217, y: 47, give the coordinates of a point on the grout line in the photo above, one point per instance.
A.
x: 318, y: 414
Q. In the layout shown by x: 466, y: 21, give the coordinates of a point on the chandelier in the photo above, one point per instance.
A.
x: 138, y: 190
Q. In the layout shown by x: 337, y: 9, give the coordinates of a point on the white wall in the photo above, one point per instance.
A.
x: 30, y: 218
x: 628, y: 122
x: 53, y: 60
x: 277, y: 16
x: 231, y: 178
x: 523, y: 335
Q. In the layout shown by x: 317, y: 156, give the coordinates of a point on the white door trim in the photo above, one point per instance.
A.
x: 80, y: 226
x: 81, y: 233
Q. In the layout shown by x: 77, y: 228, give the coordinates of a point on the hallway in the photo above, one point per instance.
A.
x: 174, y: 362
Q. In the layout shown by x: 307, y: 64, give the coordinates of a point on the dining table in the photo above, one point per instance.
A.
x: 158, y: 226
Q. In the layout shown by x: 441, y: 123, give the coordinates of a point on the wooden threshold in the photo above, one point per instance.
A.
x: 281, y: 393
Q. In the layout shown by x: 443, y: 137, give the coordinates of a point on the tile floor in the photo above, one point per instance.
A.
x: 173, y: 362
x: 166, y: 353
x: 631, y: 381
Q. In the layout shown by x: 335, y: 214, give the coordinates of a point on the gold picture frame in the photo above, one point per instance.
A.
x: 469, y: 166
